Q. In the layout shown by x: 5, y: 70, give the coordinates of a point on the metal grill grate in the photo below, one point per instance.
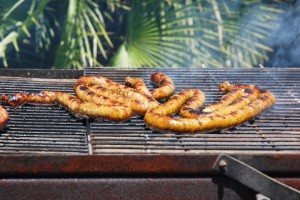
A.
x: 41, y: 129
x: 275, y: 131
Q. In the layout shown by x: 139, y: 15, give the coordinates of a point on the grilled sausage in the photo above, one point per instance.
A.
x: 255, y: 101
x: 45, y: 98
x: 192, y: 97
x: 226, y: 99
x: 139, y: 103
x: 4, y: 116
x: 162, y: 81
x: 139, y: 85
x: 165, y: 85
x: 248, y: 95
x: 234, y: 92
x: 100, y: 95
x: 78, y: 107
x: 196, y: 100
x: 227, y: 87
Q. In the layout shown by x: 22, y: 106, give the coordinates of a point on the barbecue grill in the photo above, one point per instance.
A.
x: 46, y: 152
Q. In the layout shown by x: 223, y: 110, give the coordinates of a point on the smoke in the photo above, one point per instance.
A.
x: 286, y: 40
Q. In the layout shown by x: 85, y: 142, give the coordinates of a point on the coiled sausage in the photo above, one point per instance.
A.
x: 237, y: 112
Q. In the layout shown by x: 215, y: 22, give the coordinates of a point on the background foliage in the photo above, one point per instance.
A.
x: 151, y: 33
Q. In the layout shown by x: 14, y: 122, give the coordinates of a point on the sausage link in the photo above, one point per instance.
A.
x: 140, y: 103
x: 227, y: 87
x: 139, y: 85
x: 165, y: 85
x: 176, y: 101
x: 32, y: 98
x: 117, y: 113
x: 99, y: 95
x: 78, y: 107
x: 226, y: 99
x: 255, y: 101
x: 191, y: 108
x: 105, y: 96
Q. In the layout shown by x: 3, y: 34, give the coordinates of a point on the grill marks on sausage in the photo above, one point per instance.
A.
x: 83, y: 88
x: 240, y: 104
x: 97, y: 97
x: 112, y: 93
x: 196, y: 100
x: 228, y: 98
x: 139, y: 85
x: 76, y: 106
x: 165, y: 85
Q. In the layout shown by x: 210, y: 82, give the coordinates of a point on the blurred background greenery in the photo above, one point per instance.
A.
x: 72, y: 34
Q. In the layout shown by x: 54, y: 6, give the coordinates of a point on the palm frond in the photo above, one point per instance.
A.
x: 85, y: 30
x: 181, y: 33
x: 206, y: 33
x: 15, y: 23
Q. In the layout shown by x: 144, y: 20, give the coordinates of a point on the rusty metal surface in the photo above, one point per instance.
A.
x: 124, y: 188
x: 129, y: 188
x: 74, y: 165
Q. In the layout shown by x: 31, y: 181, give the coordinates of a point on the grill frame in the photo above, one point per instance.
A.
x: 173, y: 162
x: 140, y: 174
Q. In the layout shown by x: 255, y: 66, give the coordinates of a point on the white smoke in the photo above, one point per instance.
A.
x: 286, y: 40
